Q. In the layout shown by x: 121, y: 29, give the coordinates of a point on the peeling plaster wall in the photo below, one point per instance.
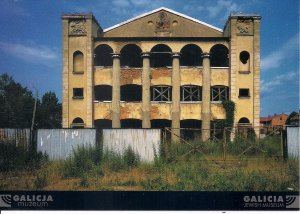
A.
x: 102, y: 110
x: 130, y: 110
x: 161, y: 111
x: 217, y: 111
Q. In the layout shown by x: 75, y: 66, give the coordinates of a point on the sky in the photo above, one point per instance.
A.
x: 31, y: 39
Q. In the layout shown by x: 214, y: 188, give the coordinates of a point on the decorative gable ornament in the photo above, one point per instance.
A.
x: 162, y: 22
x: 77, y: 27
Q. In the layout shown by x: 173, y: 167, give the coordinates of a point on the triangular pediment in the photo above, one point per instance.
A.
x: 163, y: 22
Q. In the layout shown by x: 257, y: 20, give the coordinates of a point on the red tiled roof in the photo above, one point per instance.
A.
x: 266, y: 119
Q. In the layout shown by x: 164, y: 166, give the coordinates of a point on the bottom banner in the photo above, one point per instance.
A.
x: 52, y: 200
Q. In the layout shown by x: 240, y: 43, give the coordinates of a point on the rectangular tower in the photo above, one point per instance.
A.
x: 77, y: 46
x: 244, y: 33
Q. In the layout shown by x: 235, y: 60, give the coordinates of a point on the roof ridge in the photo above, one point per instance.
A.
x: 156, y: 10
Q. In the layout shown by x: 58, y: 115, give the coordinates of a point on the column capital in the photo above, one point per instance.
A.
x: 205, y: 55
x: 176, y: 55
x: 115, y: 55
x: 145, y: 54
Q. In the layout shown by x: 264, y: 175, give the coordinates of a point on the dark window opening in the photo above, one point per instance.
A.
x: 219, y: 56
x: 160, y: 56
x: 190, y: 129
x: 217, y: 129
x: 190, y: 93
x: 191, y: 56
x: 78, y: 63
x: 244, y: 57
x: 77, y: 123
x: 161, y: 93
x: 131, y: 56
x: 131, y: 123
x: 103, y: 92
x: 131, y: 93
x: 244, y: 120
x: 103, y: 55
x: 103, y: 124
x: 244, y: 92
x: 219, y: 93
x: 78, y: 93
x: 160, y: 123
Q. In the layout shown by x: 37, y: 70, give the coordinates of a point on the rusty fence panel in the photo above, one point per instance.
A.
x: 144, y: 142
x: 59, y: 143
x: 293, y: 141
x: 18, y: 137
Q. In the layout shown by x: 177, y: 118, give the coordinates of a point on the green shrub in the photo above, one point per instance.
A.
x: 82, y: 160
x: 17, y: 158
x: 130, y: 158
x: 117, y: 162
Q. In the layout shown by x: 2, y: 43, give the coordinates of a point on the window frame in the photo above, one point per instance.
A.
x: 159, y: 91
x: 187, y: 93
x: 219, y: 90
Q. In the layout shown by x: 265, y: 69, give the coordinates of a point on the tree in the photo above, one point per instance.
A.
x: 16, y: 104
x: 288, y: 120
x: 49, y: 112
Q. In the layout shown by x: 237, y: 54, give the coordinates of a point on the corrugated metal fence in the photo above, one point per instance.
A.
x: 18, y: 137
x: 293, y: 141
x: 144, y: 142
x: 59, y: 143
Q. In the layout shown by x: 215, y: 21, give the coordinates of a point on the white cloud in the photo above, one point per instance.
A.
x: 32, y: 52
x: 283, y: 79
x: 275, y: 58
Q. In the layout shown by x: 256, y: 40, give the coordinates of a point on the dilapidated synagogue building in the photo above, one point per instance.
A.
x: 160, y: 69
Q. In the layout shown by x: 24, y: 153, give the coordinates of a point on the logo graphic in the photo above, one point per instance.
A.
x: 5, y: 200
x: 292, y: 201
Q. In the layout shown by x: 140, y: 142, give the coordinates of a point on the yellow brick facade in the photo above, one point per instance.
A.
x: 95, y: 98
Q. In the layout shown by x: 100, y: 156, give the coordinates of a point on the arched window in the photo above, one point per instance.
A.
x: 191, y: 55
x: 219, y: 93
x: 219, y: 56
x: 190, y: 93
x: 244, y: 120
x: 77, y: 123
x: 161, y: 56
x: 78, y: 62
x: 244, y: 61
x: 103, y: 55
x: 131, y: 93
x: 103, y: 92
x: 131, y: 56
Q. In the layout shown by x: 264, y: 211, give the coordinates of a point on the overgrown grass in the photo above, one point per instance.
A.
x: 83, y: 160
x: 178, y: 167
x: 91, y: 160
